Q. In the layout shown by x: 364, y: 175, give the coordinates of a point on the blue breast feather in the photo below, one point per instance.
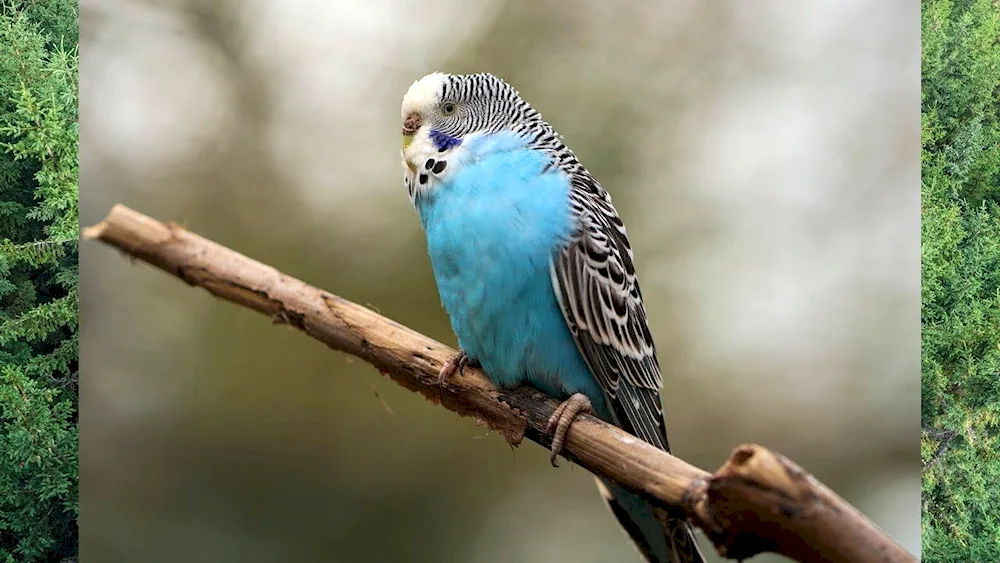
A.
x: 492, y: 225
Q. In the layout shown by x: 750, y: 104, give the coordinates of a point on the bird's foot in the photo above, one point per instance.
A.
x: 458, y: 362
x: 562, y: 418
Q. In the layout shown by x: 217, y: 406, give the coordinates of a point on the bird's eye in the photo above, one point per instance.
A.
x: 448, y: 108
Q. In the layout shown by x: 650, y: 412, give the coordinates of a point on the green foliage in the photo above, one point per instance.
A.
x: 38, y: 440
x: 960, y: 251
x: 39, y: 198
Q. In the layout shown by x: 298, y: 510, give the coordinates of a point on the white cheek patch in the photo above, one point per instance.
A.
x: 428, y: 174
x: 425, y: 165
x: 431, y: 167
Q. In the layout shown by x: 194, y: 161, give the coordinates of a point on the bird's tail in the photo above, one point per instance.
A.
x: 659, y: 539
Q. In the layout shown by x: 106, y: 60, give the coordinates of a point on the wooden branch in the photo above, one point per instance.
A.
x: 758, y: 501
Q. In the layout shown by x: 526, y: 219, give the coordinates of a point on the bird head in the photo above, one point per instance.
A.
x: 441, y: 111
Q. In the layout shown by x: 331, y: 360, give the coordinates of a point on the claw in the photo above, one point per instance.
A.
x: 465, y: 360
x: 456, y: 363
x: 561, y: 419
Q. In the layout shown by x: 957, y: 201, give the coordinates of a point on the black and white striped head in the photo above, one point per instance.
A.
x: 440, y: 111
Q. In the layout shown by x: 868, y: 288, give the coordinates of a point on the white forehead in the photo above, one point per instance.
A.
x: 423, y: 93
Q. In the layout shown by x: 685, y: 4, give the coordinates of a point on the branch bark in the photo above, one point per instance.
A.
x: 758, y: 501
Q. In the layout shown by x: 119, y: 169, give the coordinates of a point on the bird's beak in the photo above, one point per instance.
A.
x: 411, y: 125
x: 407, y: 139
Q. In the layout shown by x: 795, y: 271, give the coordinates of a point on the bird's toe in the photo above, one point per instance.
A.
x: 456, y: 363
x: 562, y: 418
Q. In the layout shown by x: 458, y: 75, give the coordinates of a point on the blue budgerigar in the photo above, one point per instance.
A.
x: 536, y: 272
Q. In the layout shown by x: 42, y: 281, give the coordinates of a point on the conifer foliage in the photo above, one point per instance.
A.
x: 960, y: 252
x: 39, y: 228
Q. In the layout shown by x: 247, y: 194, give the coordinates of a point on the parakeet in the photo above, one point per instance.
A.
x: 536, y: 273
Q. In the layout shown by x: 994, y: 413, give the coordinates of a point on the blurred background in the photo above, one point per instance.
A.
x: 764, y: 156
